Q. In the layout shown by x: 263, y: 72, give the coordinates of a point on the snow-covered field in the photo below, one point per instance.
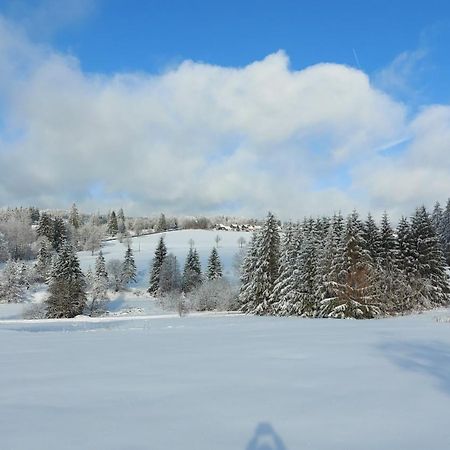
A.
x: 142, y: 378
x: 218, y: 382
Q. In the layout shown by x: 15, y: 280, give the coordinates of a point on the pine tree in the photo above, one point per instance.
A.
x: 66, y: 288
x: 214, y: 270
x: 4, y: 248
x: 113, y: 228
x: 158, y: 259
x: 192, y: 273
x: 128, y: 267
x: 257, y: 296
x: 74, y: 217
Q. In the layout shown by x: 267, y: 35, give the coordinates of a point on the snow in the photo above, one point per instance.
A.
x: 177, y: 242
x: 225, y: 382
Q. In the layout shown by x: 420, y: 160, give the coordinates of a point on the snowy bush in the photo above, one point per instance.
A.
x: 35, y: 311
x: 214, y: 295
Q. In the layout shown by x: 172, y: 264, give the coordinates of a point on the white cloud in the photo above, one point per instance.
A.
x: 200, y: 138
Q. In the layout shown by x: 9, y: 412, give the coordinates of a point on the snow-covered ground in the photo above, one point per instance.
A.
x: 225, y: 382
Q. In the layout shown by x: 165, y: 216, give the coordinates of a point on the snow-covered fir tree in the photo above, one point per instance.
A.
x: 44, y: 260
x: 113, y: 227
x: 59, y: 233
x: 99, y: 283
x: 67, y: 297
x: 170, y: 275
x: 372, y: 237
x: 4, y: 248
x: 214, y: 269
x: 128, y: 268
x: 354, y: 288
x: 162, y: 224
x: 74, y: 217
x: 445, y: 237
x: 158, y: 259
x: 192, y: 273
x: 285, y: 290
x: 45, y: 227
x: 13, y: 282
x: 256, y: 295
x: 429, y: 261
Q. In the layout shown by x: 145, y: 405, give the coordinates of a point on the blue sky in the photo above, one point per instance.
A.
x: 401, y: 46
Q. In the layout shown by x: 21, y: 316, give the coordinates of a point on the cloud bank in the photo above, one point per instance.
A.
x: 208, y: 139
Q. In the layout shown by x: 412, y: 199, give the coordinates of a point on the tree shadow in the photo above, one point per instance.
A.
x: 430, y: 358
x: 265, y: 438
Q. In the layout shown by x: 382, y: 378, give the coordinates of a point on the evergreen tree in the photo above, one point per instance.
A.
x: 429, y: 261
x: 387, y: 247
x: 257, y: 295
x: 284, y: 297
x: 214, y: 269
x: 45, y: 227
x: 162, y: 224
x: 445, y: 237
x: 170, y: 276
x: 113, y: 227
x: 354, y: 289
x: 13, y: 282
x: 99, y: 282
x: 128, y: 267
x: 59, y: 233
x: 372, y: 238
x: 192, y: 273
x: 158, y: 259
x: 74, y: 217
x: 44, y: 260
x: 121, y: 225
x: 4, y: 248
x: 66, y: 288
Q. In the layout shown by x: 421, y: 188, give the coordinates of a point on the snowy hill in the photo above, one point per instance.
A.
x: 177, y: 242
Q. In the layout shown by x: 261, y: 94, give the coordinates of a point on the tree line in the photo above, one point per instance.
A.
x: 348, y: 268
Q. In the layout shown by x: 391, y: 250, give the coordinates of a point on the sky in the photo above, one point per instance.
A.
x: 236, y: 107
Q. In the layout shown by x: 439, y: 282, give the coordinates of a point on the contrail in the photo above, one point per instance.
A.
x: 356, y: 59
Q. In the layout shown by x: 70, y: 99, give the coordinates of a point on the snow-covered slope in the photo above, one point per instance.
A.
x: 177, y: 242
x: 225, y: 382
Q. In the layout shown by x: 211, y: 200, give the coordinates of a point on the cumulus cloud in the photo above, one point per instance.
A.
x: 205, y: 139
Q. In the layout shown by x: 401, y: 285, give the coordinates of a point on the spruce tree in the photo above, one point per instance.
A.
x: 74, y: 217
x: 257, y: 298
x: 446, y: 232
x: 128, y: 268
x: 45, y: 227
x: 44, y: 260
x: 66, y: 287
x: 387, y: 246
x: 284, y: 292
x: 214, y: 270
x: 162, y: 224
x: 158, y: 259
x: 59, y: 233
x: 192, y: 273
x: 99, y: 282
x: 429, y: 261
x: 372, y: 237
x: 354, y: 288
x: 113, y: 227
x: 170, y: 276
